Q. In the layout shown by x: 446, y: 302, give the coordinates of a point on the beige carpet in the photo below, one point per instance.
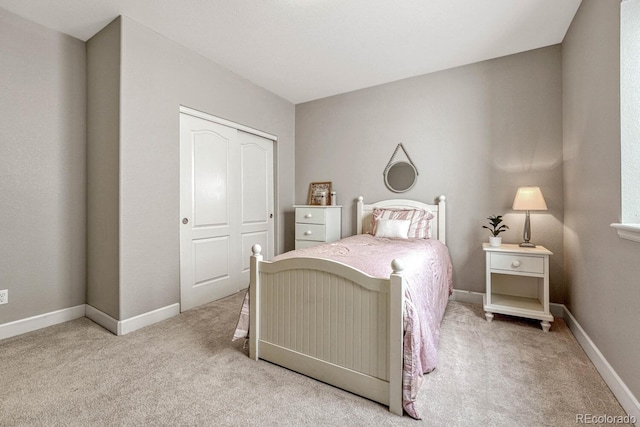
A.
x: 186, y: 371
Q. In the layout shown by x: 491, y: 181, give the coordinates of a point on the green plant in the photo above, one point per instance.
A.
x: 496, y: 228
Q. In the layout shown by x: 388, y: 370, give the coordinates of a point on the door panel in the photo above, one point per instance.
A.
x: 254, y: 194
x: 257, y: 197
x: 210, y: 178
x: 257, y: 191
x: 211, y: 260
x: 207, y: 242
x: 226, y: 206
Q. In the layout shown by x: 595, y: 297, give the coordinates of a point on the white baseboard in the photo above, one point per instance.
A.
x: 146, y: 319
x: 471, y: 297
x: 620, y: 390
x: 33, y: 323
x: 122, y: 327
x: 102, y: 319
x: 557, y: 309
x: 117, y: 327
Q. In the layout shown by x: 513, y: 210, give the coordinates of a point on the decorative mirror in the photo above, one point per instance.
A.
x: 400, y: 176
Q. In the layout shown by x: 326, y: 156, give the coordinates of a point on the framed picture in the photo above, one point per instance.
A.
x: 320, y: 193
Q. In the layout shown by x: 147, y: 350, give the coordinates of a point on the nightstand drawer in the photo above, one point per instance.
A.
x: 513, y: 262
x: 316, y: 232
x: 310, y: 216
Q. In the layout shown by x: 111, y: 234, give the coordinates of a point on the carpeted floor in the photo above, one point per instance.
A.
x: 186, y: 371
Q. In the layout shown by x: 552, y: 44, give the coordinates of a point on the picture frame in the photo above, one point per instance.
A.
x: 319, y: 191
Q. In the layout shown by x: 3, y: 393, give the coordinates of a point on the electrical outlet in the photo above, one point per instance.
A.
x: 4, y: 296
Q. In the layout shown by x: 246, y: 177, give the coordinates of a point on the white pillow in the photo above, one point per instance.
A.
x: 420, y: 227
x: 393, y: 228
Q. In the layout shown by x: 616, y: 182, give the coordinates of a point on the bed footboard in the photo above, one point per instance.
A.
x: 331, y: 322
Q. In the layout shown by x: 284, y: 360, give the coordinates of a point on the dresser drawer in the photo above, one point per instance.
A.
x: 315, y: 232
x: 513, y: 262
x: 310, y: 216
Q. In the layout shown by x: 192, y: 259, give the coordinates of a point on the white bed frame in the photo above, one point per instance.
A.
x: 332, y: 322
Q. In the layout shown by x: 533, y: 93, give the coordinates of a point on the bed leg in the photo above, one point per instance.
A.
x: 254, y: 301
x: 396, y: 333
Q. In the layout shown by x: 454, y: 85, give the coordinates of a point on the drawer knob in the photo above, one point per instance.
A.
x: 515, y: 264
x: 307, y: 233
x: 308, y: 216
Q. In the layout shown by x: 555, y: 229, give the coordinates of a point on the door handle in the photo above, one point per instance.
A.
x: 185, y: 220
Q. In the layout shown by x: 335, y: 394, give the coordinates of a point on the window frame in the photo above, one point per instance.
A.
x: 629, y: 226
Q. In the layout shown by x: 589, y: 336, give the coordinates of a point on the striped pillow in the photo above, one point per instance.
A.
x: 420, y: 227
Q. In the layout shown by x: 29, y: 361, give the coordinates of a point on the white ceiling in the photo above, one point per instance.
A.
x: 308, y: 49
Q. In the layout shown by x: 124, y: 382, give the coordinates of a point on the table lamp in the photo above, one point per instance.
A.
x: 528, y: 199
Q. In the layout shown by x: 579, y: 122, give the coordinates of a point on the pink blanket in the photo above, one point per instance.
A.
x: 428, y: 275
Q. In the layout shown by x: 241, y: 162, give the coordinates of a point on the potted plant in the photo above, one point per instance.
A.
x: 495, y: 229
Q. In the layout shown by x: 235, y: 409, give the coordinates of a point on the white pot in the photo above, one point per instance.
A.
x: 495, y: 241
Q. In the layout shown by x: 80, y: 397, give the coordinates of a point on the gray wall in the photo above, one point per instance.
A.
x: 103, y: 170
x: 601, y: 270
x: 157, y: 76
x: 42, y: 169
x: 476, y: 133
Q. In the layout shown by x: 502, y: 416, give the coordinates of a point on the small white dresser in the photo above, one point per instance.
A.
x: 518, y: 282
x: 317, y: 224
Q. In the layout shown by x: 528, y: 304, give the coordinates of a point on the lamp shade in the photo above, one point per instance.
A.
x: 529, y: 199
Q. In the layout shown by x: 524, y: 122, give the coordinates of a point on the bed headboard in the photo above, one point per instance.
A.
x: 438, y: 229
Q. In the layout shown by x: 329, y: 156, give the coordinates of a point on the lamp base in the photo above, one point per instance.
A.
x: 526, y: 235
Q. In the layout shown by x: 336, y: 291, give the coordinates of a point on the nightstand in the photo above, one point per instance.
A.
x: 317, y: 224
x: 517, y: 282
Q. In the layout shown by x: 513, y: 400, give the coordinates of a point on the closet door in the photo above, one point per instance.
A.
x: 226, y: 200
x: 256, y: 226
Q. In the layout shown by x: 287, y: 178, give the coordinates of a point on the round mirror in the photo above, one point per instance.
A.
x: 400, y: 177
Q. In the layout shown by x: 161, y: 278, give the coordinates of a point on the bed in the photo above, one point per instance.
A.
x: 375, y: 334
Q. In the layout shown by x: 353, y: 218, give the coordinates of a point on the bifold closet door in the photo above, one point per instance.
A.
x: 226, y: 206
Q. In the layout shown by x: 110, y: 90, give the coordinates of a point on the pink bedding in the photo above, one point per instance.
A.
x: 428, y: 275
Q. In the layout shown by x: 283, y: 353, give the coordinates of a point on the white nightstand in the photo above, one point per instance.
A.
x: 518, y: 282
x: 317, y: 224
